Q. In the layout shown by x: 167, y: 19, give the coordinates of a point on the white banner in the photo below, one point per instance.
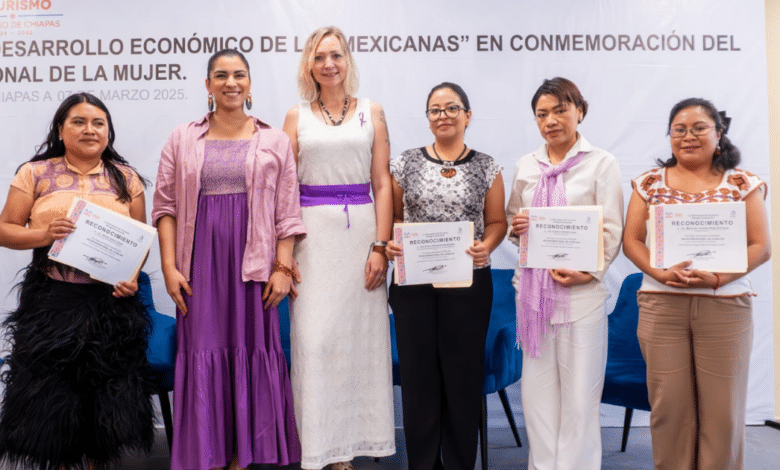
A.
x: 632, y: 60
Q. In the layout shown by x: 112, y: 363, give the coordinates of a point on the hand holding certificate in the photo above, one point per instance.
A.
x: 712, y: 235
x: 569, y: 237
x: 107, y: 245
x: 434, y: 253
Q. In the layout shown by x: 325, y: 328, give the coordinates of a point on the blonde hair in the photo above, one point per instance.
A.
x: 307, y: 86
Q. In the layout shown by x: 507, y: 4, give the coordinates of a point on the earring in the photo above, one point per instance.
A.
x: 249, y: 101
x: 211, y: 102
x: 717, y: 150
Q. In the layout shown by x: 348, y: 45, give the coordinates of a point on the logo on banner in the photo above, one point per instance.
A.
x: 23, y: 17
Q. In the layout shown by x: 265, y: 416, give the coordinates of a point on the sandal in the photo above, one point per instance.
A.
x: 341, y: 466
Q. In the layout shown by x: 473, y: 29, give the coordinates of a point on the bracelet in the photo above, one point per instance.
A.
x: 717, y: 282
x: 279, y: 267
x: 378, y: 247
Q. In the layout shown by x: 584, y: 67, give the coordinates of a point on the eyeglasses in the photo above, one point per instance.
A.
x: 680, y: 132
x: 451, y: 111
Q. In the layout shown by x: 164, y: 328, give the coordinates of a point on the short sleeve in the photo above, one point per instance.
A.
x: 743, y: 182
x: 24, y: 180
x: 493, y: 170
x: 397, y: 169
x: 134, y: 185
x: 648, y: 182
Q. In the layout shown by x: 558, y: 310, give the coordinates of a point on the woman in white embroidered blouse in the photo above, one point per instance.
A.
x: 696, y: 327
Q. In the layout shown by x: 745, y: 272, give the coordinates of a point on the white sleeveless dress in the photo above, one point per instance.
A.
x: 339, y: 332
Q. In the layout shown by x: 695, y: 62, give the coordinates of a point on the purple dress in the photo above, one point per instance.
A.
x: 232, y: 394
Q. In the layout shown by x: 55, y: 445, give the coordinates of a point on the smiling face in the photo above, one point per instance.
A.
x: 329, y: 67
x: 84, y: 132
x: 229, y: 83
x: 557, y: 121
x: 446, y: 128
x: 692, y: 150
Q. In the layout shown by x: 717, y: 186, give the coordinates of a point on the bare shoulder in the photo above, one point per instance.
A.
x: 376, y: 108
x: 293, y: 113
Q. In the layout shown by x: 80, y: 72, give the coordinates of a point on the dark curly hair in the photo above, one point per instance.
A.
x: 729, y: 156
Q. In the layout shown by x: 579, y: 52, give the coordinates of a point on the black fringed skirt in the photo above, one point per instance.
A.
x: 77, y: 383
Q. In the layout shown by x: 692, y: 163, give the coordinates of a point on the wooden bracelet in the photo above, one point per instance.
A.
x: 279, y: 267
x: 717, y: 282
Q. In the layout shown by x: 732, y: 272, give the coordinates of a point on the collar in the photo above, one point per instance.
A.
x: 581, y: 145
x: 96, y: 170
x: 203, y: 124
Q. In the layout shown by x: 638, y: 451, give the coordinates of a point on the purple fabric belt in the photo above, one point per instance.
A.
x: 335, y: 195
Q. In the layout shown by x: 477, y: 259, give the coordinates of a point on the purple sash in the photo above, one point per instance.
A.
x: 335, y: 195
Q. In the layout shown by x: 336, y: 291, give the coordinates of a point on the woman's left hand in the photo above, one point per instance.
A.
x: 569, y: 277
x: 277, y: 287
x: 125, y: 289
x: 479, y: 252
x: 694, y: 278
x: 376, y: 270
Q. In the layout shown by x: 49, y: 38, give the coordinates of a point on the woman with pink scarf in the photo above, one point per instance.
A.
x: 561, y: 319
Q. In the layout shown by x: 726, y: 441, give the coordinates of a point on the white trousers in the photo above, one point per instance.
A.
x: 561, y: 393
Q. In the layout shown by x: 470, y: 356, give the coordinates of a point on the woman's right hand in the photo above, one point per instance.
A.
x: 59, y: 228
x: 392, y: 250
x: 520, y: 224
x: 671, y: 276
x: 174, y: 283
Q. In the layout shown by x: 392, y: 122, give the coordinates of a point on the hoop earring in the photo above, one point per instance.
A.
x: 249, y: 101
x: 717, y: 150
x: 211, y: 102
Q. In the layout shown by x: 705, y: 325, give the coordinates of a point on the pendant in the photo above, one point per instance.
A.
x: 448, y: 172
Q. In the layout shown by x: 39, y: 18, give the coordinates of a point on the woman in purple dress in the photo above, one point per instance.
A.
x: 227, y: 209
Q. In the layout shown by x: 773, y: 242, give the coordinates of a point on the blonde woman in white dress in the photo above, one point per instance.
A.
x: 339, y: 327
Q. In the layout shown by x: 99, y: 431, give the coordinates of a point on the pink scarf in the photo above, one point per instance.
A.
x: 537, y: 292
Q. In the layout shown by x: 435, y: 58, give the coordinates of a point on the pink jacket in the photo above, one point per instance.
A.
x: 272, y: 194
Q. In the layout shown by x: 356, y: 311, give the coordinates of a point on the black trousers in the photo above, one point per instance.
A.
x: 441, y: 348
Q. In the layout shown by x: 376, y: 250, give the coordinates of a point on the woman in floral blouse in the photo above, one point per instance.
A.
x: 695, y: 326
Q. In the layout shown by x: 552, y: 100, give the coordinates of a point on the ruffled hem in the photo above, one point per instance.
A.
x: 233, y: 405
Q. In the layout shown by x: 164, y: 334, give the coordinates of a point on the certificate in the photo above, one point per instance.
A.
x: 434, y: 253
x: 712, y: 235
x: 108, y: 246
x: 569, y: 237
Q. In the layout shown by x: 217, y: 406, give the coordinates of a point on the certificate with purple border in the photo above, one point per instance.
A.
x: 108, y: 246
x: 434, y: 253
x: 569, y: 237
x: 712, y: 235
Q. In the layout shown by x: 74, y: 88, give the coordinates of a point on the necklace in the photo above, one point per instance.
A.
x: 343, y: 112
x: 448, y: 170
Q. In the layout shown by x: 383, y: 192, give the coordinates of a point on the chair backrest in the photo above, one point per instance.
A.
x: 284, y: 327
x: 625, y: 381
x: 503, y: 360
x: 161, y: 350
x: 623, y: 342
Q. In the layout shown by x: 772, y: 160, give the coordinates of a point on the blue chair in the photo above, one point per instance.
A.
x: 503, y: 360
x: 160, y: 352
x: 625, y: 381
